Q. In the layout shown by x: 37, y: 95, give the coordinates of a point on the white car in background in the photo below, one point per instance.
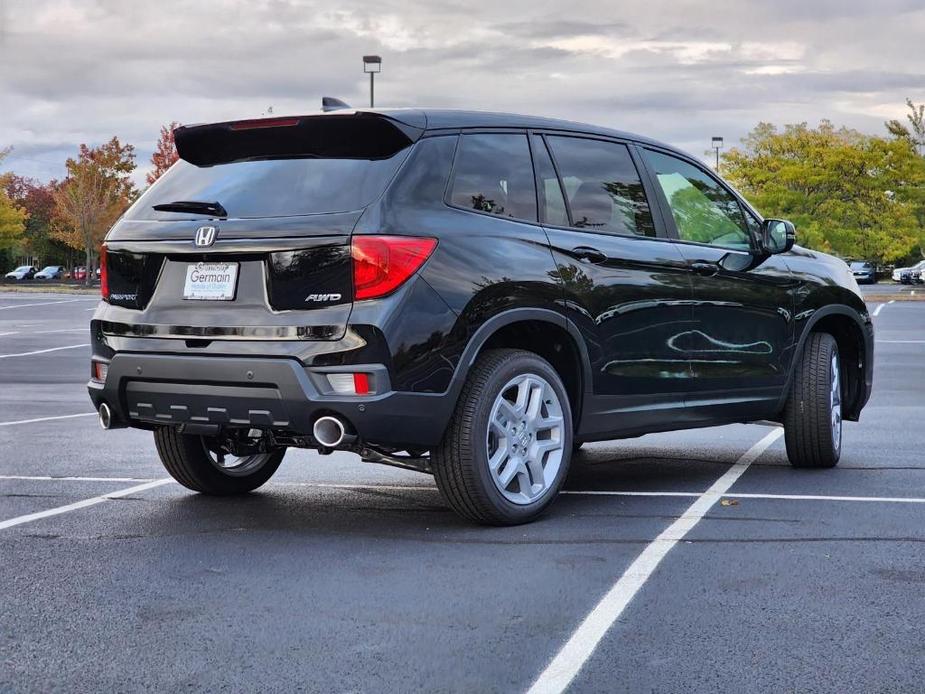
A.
x: 909, y: 275
x: 23, y: 272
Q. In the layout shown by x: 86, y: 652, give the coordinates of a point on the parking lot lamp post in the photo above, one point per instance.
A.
x: 372, y: 64
x: 717, y: 146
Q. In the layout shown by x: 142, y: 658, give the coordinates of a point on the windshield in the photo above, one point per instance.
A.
x: 858, y: 265
x: 270, y: 187
x: 50, y: 268
x: 23, y: 268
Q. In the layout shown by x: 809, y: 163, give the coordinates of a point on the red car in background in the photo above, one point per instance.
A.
x: 80, y: 273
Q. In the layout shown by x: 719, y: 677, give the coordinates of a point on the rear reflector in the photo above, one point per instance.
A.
x: 381, y: 264
x: 361, y: 383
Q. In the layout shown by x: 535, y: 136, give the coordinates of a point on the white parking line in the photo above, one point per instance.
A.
x: 47, y: 419
x: 43, y: 351
x: 880, y: 307
x: 569, y: 660
x: 902, y: 342
x: 49, y: 478
x: 569, y: 492
x: 43, y: 303
x: 63, y: 330
x: 19, y: 520
x: 783, y: 497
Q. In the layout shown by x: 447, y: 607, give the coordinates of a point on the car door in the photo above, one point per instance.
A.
x: 740, y: 341
x: 625, y: 287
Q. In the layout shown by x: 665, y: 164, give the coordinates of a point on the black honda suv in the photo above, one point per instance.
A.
x: 472, y: 295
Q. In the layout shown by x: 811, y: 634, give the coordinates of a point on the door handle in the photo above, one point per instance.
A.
x: 705, y: 269
x: 586, y: 254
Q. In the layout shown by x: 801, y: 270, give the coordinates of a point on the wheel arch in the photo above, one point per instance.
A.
x: 541, y: 331
x: 854, y: 337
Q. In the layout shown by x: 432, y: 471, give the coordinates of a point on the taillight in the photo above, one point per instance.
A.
x: 382, y: 263
x: 104, y: 274
x: 99, y: 371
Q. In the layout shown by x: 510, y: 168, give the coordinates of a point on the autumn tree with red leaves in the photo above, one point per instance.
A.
x: 97, y: 189
x: 165, y: 154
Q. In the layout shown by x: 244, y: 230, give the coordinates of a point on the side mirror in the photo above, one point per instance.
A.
x: 777, y: 236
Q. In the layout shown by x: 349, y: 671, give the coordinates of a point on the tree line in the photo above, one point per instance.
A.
x: 54, y: 221
x: 856, y: 195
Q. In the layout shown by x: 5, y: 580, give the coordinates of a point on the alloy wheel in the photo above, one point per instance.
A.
x: 525, y: 439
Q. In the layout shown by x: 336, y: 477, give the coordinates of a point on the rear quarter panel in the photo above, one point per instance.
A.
x: 483, y: 264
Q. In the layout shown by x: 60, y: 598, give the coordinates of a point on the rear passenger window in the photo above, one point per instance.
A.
x: 602, y: 185
x: 494, y: 174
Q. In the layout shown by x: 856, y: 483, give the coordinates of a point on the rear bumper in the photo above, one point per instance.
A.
x: 147, y: 390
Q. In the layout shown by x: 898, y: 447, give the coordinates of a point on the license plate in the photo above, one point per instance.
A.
x: 211, y: 281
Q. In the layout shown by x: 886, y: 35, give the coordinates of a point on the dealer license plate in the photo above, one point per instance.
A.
x: 211, y: 281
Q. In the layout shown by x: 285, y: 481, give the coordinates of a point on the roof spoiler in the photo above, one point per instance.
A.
x: 342, y: 135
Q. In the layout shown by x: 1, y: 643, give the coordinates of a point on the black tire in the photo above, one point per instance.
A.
x: 808, y: 421
x: 187, y: 460
x: 460, y: 462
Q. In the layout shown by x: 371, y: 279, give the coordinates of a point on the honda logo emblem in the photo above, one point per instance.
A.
x: 205, y: 236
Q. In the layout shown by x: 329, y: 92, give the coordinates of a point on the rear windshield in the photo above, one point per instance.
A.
x: 271, y: 187
x: 858, y: 265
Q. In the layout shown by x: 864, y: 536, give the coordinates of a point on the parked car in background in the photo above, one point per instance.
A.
x: 23, y: 272
x: 864, y: 271
x: 909, y: 275
x: 51, y: 272
x: 80, y: 273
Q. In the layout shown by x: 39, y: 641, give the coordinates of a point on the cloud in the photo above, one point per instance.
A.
x: 678, y: 70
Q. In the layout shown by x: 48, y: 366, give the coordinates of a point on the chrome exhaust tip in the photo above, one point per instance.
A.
x: 329, y: 431
x: 105, y: 416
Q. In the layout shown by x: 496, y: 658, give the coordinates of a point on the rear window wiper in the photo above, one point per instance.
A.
x: 213, y: 209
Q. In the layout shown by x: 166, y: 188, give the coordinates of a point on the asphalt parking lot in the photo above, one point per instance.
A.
x: 345, y: 576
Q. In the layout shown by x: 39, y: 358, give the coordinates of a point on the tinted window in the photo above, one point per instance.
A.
x: 494, y: 174
x: 703, y: 210
x: 602, y: 185
x: 552, y: 203
x: 271, y: 187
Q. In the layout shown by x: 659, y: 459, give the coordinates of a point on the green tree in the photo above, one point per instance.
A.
x: 915, y: 131
x: 37, y: 200
x: 848, y: 193
x: 12, y: 217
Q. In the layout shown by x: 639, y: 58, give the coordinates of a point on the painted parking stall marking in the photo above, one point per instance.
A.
x: 573, y: 655
x: 77, y: 505
x: 43, y: 351
x: 43, y: 303
x: 46, y: 419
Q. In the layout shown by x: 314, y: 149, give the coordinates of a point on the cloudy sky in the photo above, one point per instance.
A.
x: 75, y: 71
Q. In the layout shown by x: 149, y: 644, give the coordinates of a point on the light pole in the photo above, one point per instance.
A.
x: 717, y: 146
x: 372, y: 64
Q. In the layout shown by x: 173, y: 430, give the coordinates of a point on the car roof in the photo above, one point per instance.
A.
x: 430, y: 119
x: 416, y: 122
